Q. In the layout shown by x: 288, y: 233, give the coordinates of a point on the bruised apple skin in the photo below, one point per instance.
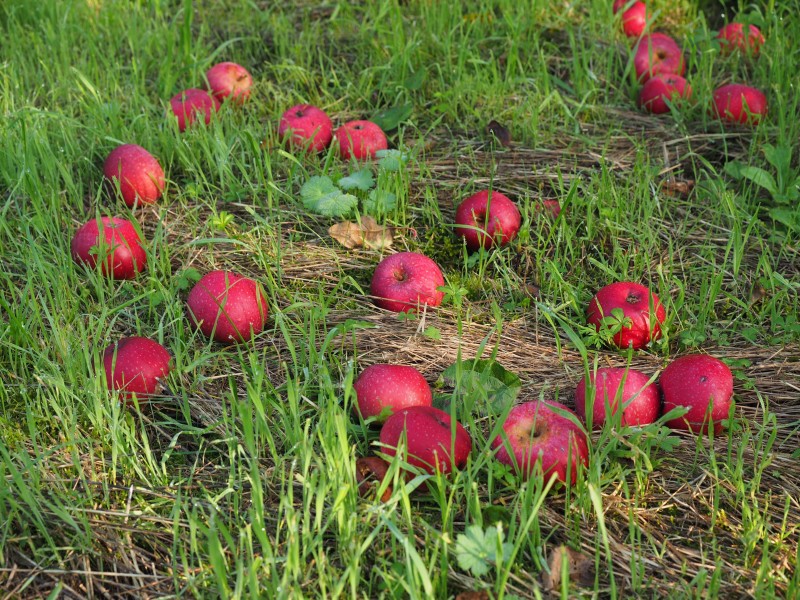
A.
x: 619, y: 387
x: 634, y: 300
x: 370, y: 473
x: 537, y: 434
x: 227, y: 306
x: 384, y: 387
x: 486, y: 219
x: 430, y: 444
x: 229, y: 81
x: 114, y: 238
x: 407, y: 281
x: 360, y: 140
x: 135, y: 365
x: 137, y: 173
x: 697, y: 381
x: 306, y: 127
x: 191, y: 105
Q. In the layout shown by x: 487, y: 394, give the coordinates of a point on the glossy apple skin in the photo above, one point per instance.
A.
x: 390, y: 386
x: 227, y: 306
x: 634, y: 299
x: 536, y: 433
x: 306, y: 127
x: 370, y: 473
x: 640, y: 399
x: 428, y: 439
x: 228, y: 80
x: 137, y: 172
x: 695, y: 381
x: 193, y: 104
x: 134, y: 365
x: 729, y: 104
x: 657, y: 53
x: 405, y: 281
x: 487, y: 219
x: 634, y: 20
x: 732, y: 37
x: 658, y: 89
x: 360, y: 140
x: 124, y: 255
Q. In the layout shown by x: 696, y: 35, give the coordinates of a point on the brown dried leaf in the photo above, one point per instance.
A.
x: 500, y: 133
x: 482, y: 595
x: 367, y: 233
x: 677, y: 188
x: 580, y: 568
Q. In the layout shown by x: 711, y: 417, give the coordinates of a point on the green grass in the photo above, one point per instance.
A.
x: 241, y: 481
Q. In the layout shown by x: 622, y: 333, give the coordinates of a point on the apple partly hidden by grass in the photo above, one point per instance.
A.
x: 487, y: 219
x: 634, y: 19
x: 137, y: 173
x: 360, y: 140
x: 227, y: 306
x: 384, y: 389
x: 536, y: 434
x: 732, y: 37
x: 135, y: 365
x: 634, y: 300
x: 306, y: 127
x: 658, y: 89
x: 112, y: 241
x: 657, y: 53
x: 193, y: 104
x: 737, y: 103
x: 429, y: 439
x: 697, y: 382
x: 228, y: 80
x: 617, y: 387
x: 407, y: 281
x: 370, y: 473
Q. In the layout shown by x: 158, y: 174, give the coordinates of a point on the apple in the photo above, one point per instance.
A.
x: 552, y: 206
x: 360, y: 140
x: 229, y: 80
x: 387, y: 388
x: 307, y: 127
x: 430, y: 442
x: 640, y: 400
x: 115, y: 242
x: 536, y: 434
x: 228, y: 307
x: 370, y: 473
x: 487, y: 219
x: 192, y: 104
x: 137, y: 173
x: 634, y: 300
x: 658, y: 89
x: 634, y: 19
x: 657, y: 53
x: 405, y: 281
x: 739, y: 103
x: 697, y: 381
x: 732, y: 36
x: 134, y: 365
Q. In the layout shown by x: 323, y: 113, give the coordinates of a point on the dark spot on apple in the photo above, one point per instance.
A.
x: 633, y: 298
x: 299, y: 113
x: 661, y: 54
x: 703, y: 379
x: 399, y: 275
x: 358, y: 127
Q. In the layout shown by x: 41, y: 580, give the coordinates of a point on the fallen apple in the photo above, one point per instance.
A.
x: 306, y: 127
x: 534, y: 434
x: 634, y: 18
x: 704, y: 385
x: 659, y: 89
x: 732, y: 37
x: 228, y: 307
x: 634, y: 300
x: 193, y: 104
x: 657, y: 53
x: 384, y: 389
x: 370, y: 473
x: 617, y: 387
x: 487, y: 219
x: 433, y: 441
x: 406, y: 281
x: 737, y: 103
x: 360, y: 140
x: 135, y: 365
x: 137, y: 173
x: 228, y: 80
x: 113, y: 242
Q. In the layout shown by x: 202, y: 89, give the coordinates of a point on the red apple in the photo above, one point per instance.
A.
x: 739, y: 103
x: 634, y: 19
x: 193, y: 104
x: 134, y: 365
x: 697, y: 381
x: 227, y: 79
x: 227, y: 306
x: 137, y: 172
x: 487, y: 219
x: 732, y: 36
x: 658, y: 89
x: 552, y: 206
x: 370, y: 473
x: 391, y: 387
x: 114, y: 242
x: 306, y: 127
x: 640, y: 400
x: 537, y: 434
x: 634, y: 300
x: 657, y: 53
x: 405, y: 281
x: 430, y: 443
x: 360, y: 140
